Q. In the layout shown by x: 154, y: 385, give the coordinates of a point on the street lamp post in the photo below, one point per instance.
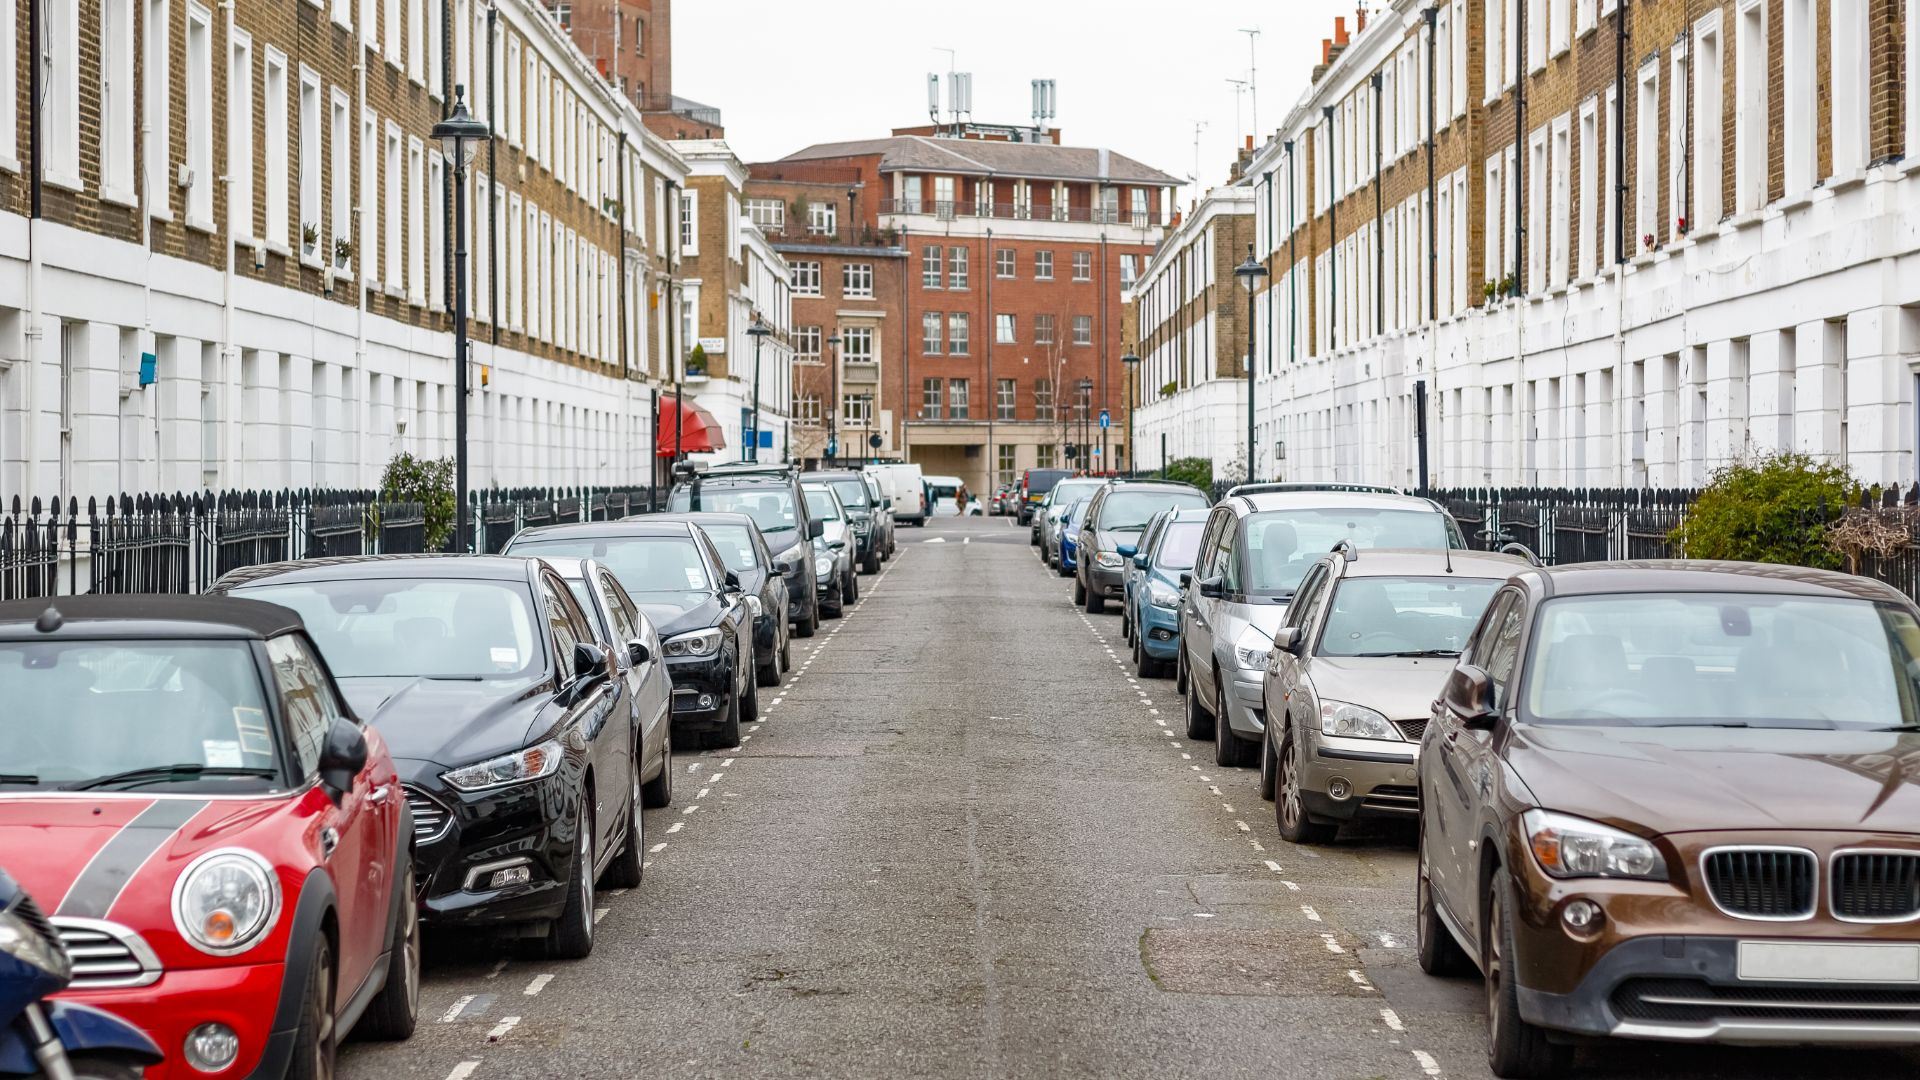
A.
x: 1132, y: 368
x: 833, y: 399
x: 1086, y: 404
x: 460, y: 135
x: 1250, y: 273
x: 757, y: 331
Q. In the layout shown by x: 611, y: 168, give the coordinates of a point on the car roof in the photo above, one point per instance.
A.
x: 821, y: 476
x: 352, y: 567
x: 750, y: 479
x: 646, y: 525
x: 1331, y: 500
x: 1693, y: 575
x: 1426, y: 562
x: 569, y: 568
x: 697, y: 517
x: 1310, y: 485
x: 1152, y: 485
x: 1190, y: 513
x: 147, y: 616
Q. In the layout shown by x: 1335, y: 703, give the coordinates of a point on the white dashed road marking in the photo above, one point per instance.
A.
x: 538, y: 984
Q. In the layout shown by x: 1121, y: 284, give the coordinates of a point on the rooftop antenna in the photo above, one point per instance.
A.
x: 1253, y: 75
x: 1239, y: 96
x: 1043, y: 104
x: 933, y: 97
x: 1198, y: 127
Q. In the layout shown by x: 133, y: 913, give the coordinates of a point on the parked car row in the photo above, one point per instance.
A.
x: 249, y: 802
x: 1654, y: 800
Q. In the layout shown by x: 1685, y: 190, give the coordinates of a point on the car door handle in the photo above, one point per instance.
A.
x: 379, y: 794
x: 329, y: 840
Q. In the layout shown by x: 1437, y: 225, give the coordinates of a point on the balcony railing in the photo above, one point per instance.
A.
x: 947, y: 211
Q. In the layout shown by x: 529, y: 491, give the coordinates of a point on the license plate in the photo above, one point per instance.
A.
x: 1781, y: 961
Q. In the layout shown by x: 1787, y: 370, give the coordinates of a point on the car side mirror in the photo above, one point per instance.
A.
x: 1140, y: 561
x: 1186, y: 578
x: 784, y: 568
x: 342, y: 757
x: 589, y: 660
x: 733, y: 581
x: 638, y: 653
x: 1210, y: 588
x: 1287, y: 639
x: 816, y: 529
x: 1128, y: 551
x: 1469, y: 696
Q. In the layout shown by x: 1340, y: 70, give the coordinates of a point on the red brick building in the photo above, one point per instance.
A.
x: 1007, y: 328
x: 631, y: 43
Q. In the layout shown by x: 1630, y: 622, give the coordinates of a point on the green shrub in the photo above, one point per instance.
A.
x: 1197, y: 471
x: 1773, y: 509
x: 429, y: 482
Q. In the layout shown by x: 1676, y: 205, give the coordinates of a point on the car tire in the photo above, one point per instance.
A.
x: 392, y: 1014
x: 786, y: 653
x: 1516, y: 1050
x: 870, y: 563
x: 750, y: 703
x: 1269, y: 768
x: 1230, y: 751
x: 1079, y: 592
x: 1096, y: 602
x: 1200, y: 722
x: 658, y: 791
x: 1434, y: 946
x: 806, y: 624
x: 1126, y: 626
x: 625, y: 869
x: 768, y: 674
x: 315, y: 1044
x: 570, y: 937
x: 852, y: 589
x: 838, y: 605
x: 1180, y: 669
x: 1289, y: 805
x: 728, y: 736
x: 1061, y: 567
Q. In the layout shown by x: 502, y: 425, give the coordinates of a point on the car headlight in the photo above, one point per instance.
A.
x: 754, y: 605
x: 19, y: 940
x: 1109, y: 559
x: 1571, y: 847
x: 532, y: 763
x: 1349, y: 721
x: 823, y: 565
x: 793, y: 555
x: 695, y: 643
x: 1162, y: 596
x: 1254, y: 649
x: 226, y: 901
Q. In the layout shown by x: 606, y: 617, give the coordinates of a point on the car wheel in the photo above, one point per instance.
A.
x: 1289, y: 804
x: 806, y: 624
x: 728, y: 736
x: 786, y: 653
x: 1079, y: 592
x: 659, y: 790
x: 571, y: 935
x: 835, y: 605
x: 393, y: 1014
x: 1180, y: 669
x: 1516, y: 1050
x: 1433, y: 944
x: 1126, y: 626
x: 624, y: 872
x: 750, y: 703
x: 1096, y: 600
x: 1060, y: 565
x: 1200, y: 722
x: 870, y: 564
x: 853, y: 587
x: 1230, y: 751
x: 314, y: 1042
x: 768, y: 674
x: 1269, y: 768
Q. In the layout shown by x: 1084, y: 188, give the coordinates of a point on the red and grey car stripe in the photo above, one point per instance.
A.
x: 94, y: 891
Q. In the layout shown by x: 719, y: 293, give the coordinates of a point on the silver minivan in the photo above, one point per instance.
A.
x: 1255, y: 551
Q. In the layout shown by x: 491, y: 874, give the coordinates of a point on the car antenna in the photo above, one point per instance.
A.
x: 49, y: 620
x: 1449, y: 550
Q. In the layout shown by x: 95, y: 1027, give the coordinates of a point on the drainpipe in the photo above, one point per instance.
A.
x: 1293, y: 259
x: 1379, y: 234
x: 34, y: 334
x: 493, y: 172
x: 1433, y: 203
x: 361, y: 404
x: 1620, y: 136
x: 230, y: 390
x: 1519, y: 159
x: 1333, y: 234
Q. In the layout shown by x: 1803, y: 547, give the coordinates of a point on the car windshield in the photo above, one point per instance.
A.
x: 1404, y: 616
x: 642, y: 564
x: 1179, y: 544
x: 1723, y: 659
x: 736, y: 545
x: 1282, y: 544
x: 1067, y: 491
x: 435, y: 628
x: 853, y: 493
x: 820, y: 504
x: 1129, y: 511
x: 1077, y: 513
x: 82, y: 710
x: 771, y: 507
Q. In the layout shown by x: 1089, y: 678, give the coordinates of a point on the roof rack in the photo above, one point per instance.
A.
x: 1310, y: 485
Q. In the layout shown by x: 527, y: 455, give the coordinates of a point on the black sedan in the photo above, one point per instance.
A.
x: 673, y: 571
x: 490, y: 686
x: 744, y: 549
x: 862, y: 514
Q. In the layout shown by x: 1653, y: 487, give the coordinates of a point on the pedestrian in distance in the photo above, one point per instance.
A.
x: 960, y: 500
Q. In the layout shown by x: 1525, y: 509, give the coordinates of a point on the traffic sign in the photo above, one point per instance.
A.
x: 1106, y: 421
x: 1070, y: 453
x: 833, y: 448
x: 875, y: 440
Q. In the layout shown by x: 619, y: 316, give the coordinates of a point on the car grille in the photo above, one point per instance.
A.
x: 430, y: 819
x: 1689, y: 1001
x: 1875, y: 886
x: 106, y: 954
x: 1411, y: 730
x: 1393, y: 798
x: 1760, y: 882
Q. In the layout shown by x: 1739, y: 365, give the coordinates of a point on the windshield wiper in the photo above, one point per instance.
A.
x: 160, y: 773
x: 1896, y: 727
x: 1410, y: 652
x: 18, y: 778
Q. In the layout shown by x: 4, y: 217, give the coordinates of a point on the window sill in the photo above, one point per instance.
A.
x: 278, y: 248
x: 64, y: 180
x: 1744, y: 220
x: 311, y: 262
x: 1853, y: 179
x: 162, y: 213
x: 200, y: 224
x: 119, y: 197
x: 9, y: 163
x: 1796, y: 201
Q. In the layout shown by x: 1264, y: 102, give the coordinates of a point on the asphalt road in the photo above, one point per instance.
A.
x: 964, y: 842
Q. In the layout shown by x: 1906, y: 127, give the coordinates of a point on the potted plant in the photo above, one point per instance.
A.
x: 1491, y: 289
x: 309, y: 239
x: 342, y: 253
x: 697, y: 363
x: 1170, y: 389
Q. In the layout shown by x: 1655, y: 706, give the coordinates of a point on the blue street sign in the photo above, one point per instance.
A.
x: 1105, y: 420
x: 766, y: 440
x: 833, y: 448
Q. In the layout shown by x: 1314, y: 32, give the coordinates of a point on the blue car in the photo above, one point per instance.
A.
x: 1069, y: 530
x: 1153, y: 602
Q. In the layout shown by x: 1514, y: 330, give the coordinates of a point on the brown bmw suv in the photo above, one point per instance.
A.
x: 1673, y: 800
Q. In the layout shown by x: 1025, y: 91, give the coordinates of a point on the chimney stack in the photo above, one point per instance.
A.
x: 1362, y: 17
x: 1340, y: 28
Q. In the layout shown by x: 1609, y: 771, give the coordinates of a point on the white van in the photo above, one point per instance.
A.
x: 902, y: 484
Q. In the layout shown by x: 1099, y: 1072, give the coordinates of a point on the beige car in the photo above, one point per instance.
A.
x: 1363, y: 651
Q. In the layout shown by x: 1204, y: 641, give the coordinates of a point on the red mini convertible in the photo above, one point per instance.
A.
x: 223, y: 847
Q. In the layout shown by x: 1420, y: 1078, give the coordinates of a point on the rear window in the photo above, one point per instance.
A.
x: 1282, y: 544
x: 1041, y: 481
x: 419, y: 627
x: 1126, y: 510
x: 771, y: 507
x: 1180, y: 544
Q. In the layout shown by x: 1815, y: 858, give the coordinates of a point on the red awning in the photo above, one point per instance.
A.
x: 688, y: 428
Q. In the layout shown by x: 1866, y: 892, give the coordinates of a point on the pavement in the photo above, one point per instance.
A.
x: 965, y: 841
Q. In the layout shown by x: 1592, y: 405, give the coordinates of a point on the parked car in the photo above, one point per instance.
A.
x: 1060, y: 498
x: 1672, y: 800
x: 1006, y: 499
x: 1070, y: 533
x: 833, y: 551
x: 1364, y: 649
x: 1034, y: 485
x: 1274, y: 487
x: 770, y: 495
x: 1154, y: 602
x: 676, y: 575
x: 883, y: 523
x: 497, y: 695
x: 1133, y: 568
x: 940, y: 492
x: 638, y: 667
x: 1252, y: 557
x: 1115, y: 520
x: 233, y: 873
x: 743, y: 548
x: 905, y: 486
x: 851, y: 489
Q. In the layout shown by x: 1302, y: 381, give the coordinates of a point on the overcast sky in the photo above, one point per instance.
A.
x: 1132, y: 76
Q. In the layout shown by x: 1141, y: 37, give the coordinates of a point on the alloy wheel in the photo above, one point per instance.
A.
x: 1292, y: 809
x: 1496, y: 962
